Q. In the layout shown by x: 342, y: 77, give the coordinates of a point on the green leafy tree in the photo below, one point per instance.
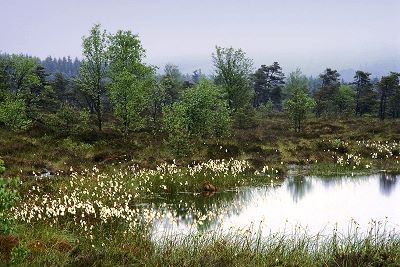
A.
x: 25, y: 80
x: 233, y: 71
x: 157, y: 96
x: 345, y: 99
x: 3, y: 77
x: 172, y: 83
x: 314, y: 84
x: 13, y: 113
x: 295, y: 81
x: 202, y: 113
x: 67, y: 114
x: 299, y: 103
x: 23, y: 76
x: 130, y: 79
x: 93, y: 70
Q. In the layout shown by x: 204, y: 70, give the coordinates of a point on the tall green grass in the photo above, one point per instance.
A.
x: 377, y: 247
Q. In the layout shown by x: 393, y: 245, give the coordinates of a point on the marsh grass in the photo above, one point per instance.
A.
x: 249, y: 247
x: 334, y: 170
x: 243, y: 247
x: 270, y: 140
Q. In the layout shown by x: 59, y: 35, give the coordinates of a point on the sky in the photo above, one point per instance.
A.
x: 306, y: 34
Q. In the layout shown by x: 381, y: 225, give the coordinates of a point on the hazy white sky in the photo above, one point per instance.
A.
x: 309, y: 34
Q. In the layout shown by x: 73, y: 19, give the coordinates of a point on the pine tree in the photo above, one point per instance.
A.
x: 268, y: 82
x: 326, y: 95
x: 365, y: 96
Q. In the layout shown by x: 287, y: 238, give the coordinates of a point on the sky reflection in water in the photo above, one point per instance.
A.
x: 314, y: 204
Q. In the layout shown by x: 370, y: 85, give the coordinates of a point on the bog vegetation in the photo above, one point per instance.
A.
x: 111, y: 132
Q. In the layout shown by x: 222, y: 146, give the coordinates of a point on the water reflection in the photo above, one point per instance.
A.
x: 197, y: 211
x: 387, y: 183
x: 298, y: 186
x: 312, y: 202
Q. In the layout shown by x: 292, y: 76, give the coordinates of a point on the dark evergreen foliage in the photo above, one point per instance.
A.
x: 365, y: 96
x: 66, y: 66
x: 389, y: 95
x: 267, y: 83
x: 326, y: 95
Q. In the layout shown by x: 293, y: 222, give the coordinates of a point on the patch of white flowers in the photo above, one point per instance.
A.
x: 92, y: 198
x: 364, y: 152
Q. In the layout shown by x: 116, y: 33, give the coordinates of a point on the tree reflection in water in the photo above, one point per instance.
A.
x: 298, y: 186
x: 387, y: 182
x: 186, y: 212
x: 202, y: 211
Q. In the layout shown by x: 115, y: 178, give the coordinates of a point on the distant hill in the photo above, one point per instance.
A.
x: 377, y: 69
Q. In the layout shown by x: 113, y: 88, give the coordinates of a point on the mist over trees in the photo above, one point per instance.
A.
x: 112, y: 88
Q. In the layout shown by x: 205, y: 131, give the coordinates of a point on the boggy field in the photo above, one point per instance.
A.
x: 91, y: 201
x: 264, y: 141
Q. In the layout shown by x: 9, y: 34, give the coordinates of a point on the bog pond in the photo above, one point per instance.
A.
x: 311, y: 204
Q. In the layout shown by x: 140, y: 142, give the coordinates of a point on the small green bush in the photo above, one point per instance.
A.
x: 8, y: 197
x: 69, y: 121
x: 19, y: 253
x: 266, y: 108
x: 245, y: 118
x: 76, y: 146
x: 13, y: 114
x: 2, y: 166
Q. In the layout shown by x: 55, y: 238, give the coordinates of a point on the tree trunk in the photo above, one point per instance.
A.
x: 382, y: 106
x: 358, y: 102
x: 98, y: 111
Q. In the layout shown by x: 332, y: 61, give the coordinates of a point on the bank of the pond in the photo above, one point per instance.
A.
x: 42, y: 246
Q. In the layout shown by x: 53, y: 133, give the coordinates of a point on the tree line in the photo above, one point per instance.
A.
x: 65, y: 65
x: 113, y: 85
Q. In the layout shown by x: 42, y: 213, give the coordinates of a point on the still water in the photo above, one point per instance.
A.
x: 312, y: 204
